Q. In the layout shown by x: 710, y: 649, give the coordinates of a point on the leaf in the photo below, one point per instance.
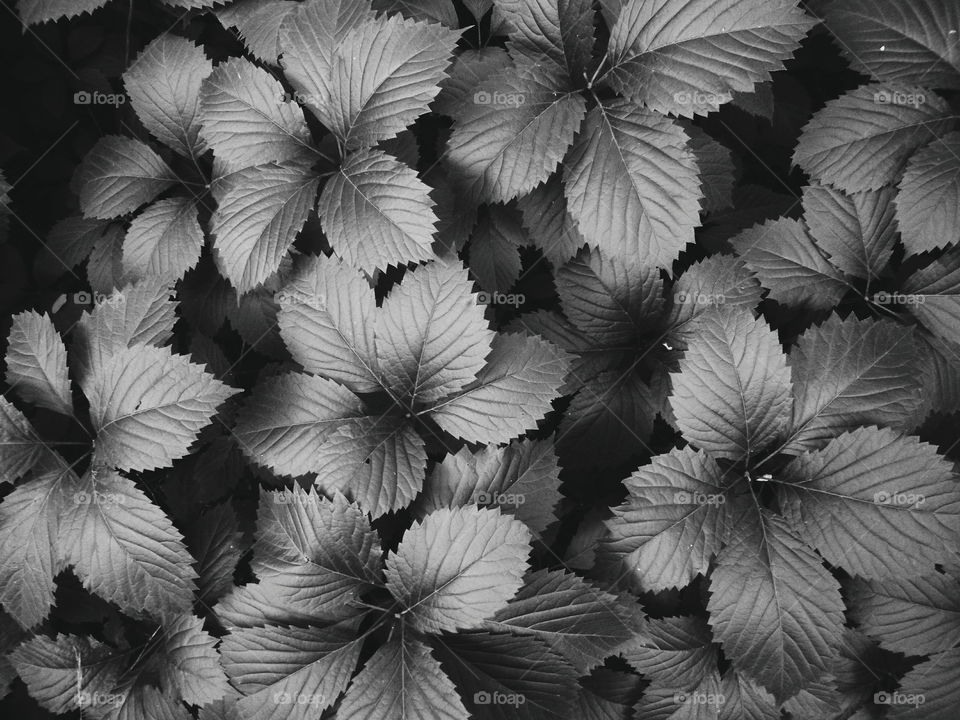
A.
x: 376, y: 212
x: 879, y: 504
x: 847, y: 373
x: 434, y: 11
x: 522, y: 479
x: 164, y: 88
x: 69, y: 242
x: 934, y: 292
x: 673, y: 651
x: 899, y: 43
x: 124, y: 548
x: 431, y: 335
x: 774, y: 607
x: 33, y: 12
x: 557, y: 30
x: 258, y: 218
x: 245, y: 119
x: 718, y: 174
x: 732, y: 394
x: 147, y: 405
x: 215, y: 541
x: 675, y: 519
x: 29, y: 555
x: 289, y: 672
x: 402, y: 680
x: 914, y: 616
x: 456, y: 568
x: 470, y: 68
x: 686, y: 58
x: 494, y: 248
x: 514, y: 390
x: 857, y: 231
x: 373, y: 99
x: 745, y: 700
x: 287, y: 417
x: 105, y: 264
x: 259, y: 22
x: 379, y: 462
x: 930, y: 195
x: 936, y: 681
x: 118, y: 175
x: 514, y: 133
x: 163, y: 242
x: 548, y: 222
x: 20, y: 446
x: 631, y: 183
x: 579, y: 621
x: 189, y: 662
x: 37, y: 363
x: 790, y: 265
x: 862, y: 140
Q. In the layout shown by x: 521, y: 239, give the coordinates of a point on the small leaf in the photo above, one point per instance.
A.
x: 37, y: 363
x: 675, y: 651
x: 935, y: 294
x: 20, y: 446
x: 937, y: 681
x: 189, y: 662
x: 163, y: 242
x: 259, y: 22
x: 929, y: 196
x: 470, y: 68
x: 552, y: 229
x: 495, y: 248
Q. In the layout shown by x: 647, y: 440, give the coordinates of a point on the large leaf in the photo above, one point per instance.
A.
x: 124, y: 548
x: 929, y: 197
x: 732, y: 394
x: 876, y: 503
x: 258, y: 218
x: 686, y: 57
x: 787, y: 261
x: 376, y: 212
x: 775, y: 607
x: 631, y: 183
x: 862, y: 140
x: 456, y: 568
x: 675, y: 519
x: 899, y: 43
x: 402, y: 681
x: 163, y: 242
x: 431, y: 336
x: 934, y: 294
x: 37, y: 363
x: 164, y: 88
x: 558, y: 30
x: 118, y: 175
x: 147, y: 405
x: 851, y: 372
x: 514, y: 390
x: 20, y: 446
x: 513, y: 134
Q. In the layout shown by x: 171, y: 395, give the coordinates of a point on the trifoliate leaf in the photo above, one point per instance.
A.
x: 457, y: 568
x: 376, y: 212
x: 934, y: 295
x: 402, y: 64
x: 431, y: 335
x: 557, y: 30
x: 851, y: 372
x: 552, y: 230
x: 246, y: 120
x: 513, y: 134
x: 379, y: 462
x: 862, y: 140
x: 29, y: 557
x: 258, y: 23
x: 631, y: 183
x: 20, y: 446
x: 289, y: 672
x: 434, y: 11
x: 164, y: 88
x: 288, y: 416
x: 189, y: 664
x: 124, y: 548
x: 402, y: 681
x: 579, y: 621
x: 685, y: 58
x: 163, y: 242
x: 857, y: 231
x: 899, y: 43
x: 874, y: 502
x: 929, y: 197
x: 118, y: 175
x: 914, y: 616
x: 258, y: 218
x: 37, y: 363
x: 470, y: 69
x: 514, y: 390
x: 147, y: 405
x: 33, y: 12
x: 676, y: 518
x: 789, y: 264
x: 673, y: 651
x: 774, y: 607
x: 732, y: 394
